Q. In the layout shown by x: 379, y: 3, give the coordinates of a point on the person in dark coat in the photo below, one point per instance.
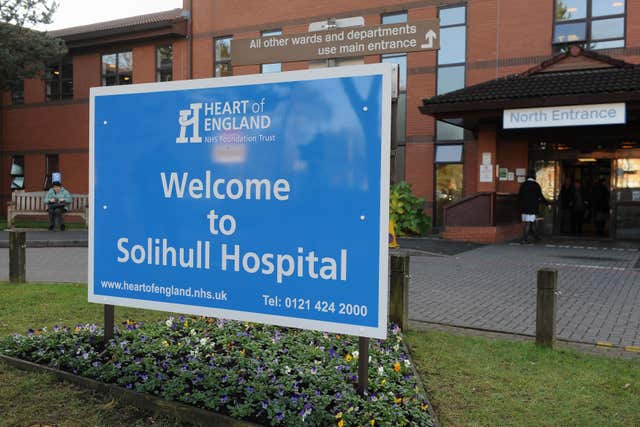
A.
x: 578, y: 208
x: 600, y: 203
x: 529, y: 197
x: 565, y: 204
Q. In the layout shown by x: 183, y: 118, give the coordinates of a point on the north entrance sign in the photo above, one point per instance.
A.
x: 338, y: 43
x: 261, y: 198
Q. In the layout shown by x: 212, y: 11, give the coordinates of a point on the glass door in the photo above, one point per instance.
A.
x: 548, y: 176
x: 448, y: 187
x: 625, y: 199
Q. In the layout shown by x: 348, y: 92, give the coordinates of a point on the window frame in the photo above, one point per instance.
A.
x: 588, y: 22
x: 117, y: 75
x: 16, y: 87
x: 159, y: 69
x: 215, y: 56
x: 61, y: 79
x: 14, y: 176
x: 271, y: 33
x: 442, y: 67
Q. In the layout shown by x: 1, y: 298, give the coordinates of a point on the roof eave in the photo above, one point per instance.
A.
x: 547, y: 101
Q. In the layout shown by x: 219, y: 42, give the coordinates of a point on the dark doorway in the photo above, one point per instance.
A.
x: 582, y: 208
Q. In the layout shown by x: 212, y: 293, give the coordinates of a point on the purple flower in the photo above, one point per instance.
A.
x: 85, y: 355
x: 250, y: 389
x: 338, y: 395
x: 332, y: 353
x: 224, y: 398
x: 96, y: 364
x: 279, y: 416
x: 92, y: 328
x: 144, y: 377
x: 184, y: 368
x: 159, y: 376
x: 30, y: 332
x: 118, y: 365
x: 138, y: 360
x: 225, y: 379
x: 129, y: 386
x: 55, y: 328
x: 265, y: 404
x: 294, y: 399
x: 164, y: 364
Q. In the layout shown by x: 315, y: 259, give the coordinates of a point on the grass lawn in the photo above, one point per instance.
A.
x: 484, y: 382
x: 471, y: 381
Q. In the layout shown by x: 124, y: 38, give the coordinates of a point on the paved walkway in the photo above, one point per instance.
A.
x: 494, y: 287
x: 489, y: 287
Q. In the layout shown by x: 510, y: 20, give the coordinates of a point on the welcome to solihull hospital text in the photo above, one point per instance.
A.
x: 483, y: 95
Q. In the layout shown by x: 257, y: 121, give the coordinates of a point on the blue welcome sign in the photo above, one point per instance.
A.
x: 261, y: 198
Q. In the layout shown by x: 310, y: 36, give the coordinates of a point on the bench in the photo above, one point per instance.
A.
x: 32, y: 204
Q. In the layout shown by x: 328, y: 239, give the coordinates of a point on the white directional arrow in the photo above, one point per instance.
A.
x: 430, y: 37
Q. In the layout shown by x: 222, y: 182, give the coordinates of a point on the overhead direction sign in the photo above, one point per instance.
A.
x: 338, y: 43
x: 261, y: 198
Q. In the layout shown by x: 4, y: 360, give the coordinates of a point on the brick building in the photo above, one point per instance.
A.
x: 474, y: 169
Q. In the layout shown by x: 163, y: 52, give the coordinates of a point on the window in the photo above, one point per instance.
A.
x: 277, y: 66
x: 117, y: 68
x: 222, y: 66
x: 401, y: 60
x: 59, y: 80
x: 51, y: 165
x: 164, y: 63
x: 600, y: 24
x: 452, y: 58
x: 17, y: 91
x: 17, y: 173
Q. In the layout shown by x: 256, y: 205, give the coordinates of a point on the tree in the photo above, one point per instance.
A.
x: 25, y: 53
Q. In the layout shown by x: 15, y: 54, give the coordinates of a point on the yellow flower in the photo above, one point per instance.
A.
x: 165, y: 343
x: 424, y: 406
x: 397, y: 399
x: 186, y: 323
x: 348, y: 357
x: 339, y: 415
x: 341, y: 423
x: 77, y: 329
x: 242, y: 351
x: 396, y: 367
x: 372, y: 422
x: 383, y: 382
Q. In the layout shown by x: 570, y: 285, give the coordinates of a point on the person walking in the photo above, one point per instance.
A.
x: 529, y: 197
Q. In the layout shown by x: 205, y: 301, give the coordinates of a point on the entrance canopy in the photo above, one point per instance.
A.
x: 576, y: 77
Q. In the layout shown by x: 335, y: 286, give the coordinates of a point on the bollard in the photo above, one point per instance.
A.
x: 108, y: 323
x: 546, y: 308
x: 399, y: 291
x: 17, y: 257
x: 363, y: 365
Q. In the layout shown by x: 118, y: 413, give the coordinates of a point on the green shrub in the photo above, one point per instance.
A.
x: 407, y: 210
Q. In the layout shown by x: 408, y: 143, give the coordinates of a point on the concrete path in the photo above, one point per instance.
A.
x: 494, y: 288
x: 489, y: 287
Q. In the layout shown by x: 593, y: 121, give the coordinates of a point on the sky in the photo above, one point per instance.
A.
x: 72, y: 13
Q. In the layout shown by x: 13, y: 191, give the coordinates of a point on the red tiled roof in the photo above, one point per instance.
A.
x: 618, y: 77
x: 122, y: 25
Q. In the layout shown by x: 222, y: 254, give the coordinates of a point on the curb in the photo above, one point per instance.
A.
x: 50, y: 244
x: 181, y: 412
x: 605, y: 345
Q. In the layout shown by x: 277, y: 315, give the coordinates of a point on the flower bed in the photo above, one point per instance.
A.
x: 260, y: 373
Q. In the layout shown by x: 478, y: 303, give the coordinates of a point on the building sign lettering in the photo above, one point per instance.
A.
x: 574, y: 115
x: 338, y: 43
